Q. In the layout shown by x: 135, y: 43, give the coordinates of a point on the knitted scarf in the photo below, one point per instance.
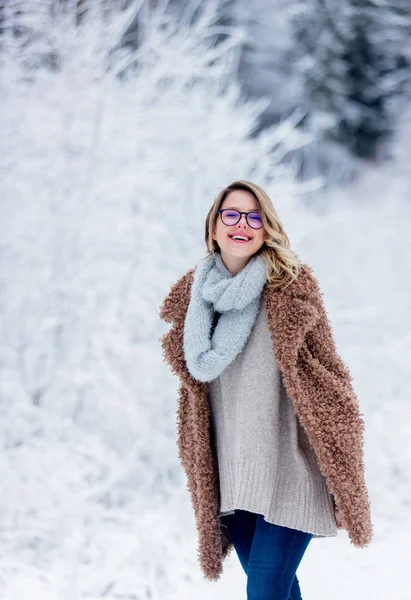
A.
x: 237, y: 297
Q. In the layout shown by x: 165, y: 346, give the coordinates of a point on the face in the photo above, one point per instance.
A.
x: 236, y: 254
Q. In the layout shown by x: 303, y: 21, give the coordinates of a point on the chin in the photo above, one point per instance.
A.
x: 239, y: 252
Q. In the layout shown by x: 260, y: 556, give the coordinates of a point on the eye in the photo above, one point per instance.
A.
x: 255, y: 217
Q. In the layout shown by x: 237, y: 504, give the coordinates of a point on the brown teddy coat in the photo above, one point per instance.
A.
x: 320, y: 387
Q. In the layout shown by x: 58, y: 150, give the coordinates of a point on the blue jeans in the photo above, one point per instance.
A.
x: 269, y: 554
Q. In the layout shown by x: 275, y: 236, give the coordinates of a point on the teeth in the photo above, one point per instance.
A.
x: 239, y: 237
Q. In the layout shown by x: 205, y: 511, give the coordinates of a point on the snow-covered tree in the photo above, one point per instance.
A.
x: 345, y: 66
x: 351, y: 78
x: 110, y: 158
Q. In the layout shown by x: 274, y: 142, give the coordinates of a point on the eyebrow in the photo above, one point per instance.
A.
x: 236, y: 208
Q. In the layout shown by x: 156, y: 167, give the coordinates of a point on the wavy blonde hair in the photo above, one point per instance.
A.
x: 282, y: 263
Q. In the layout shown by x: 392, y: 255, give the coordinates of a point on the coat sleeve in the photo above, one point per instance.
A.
x: 321, y: 345
x: 319, y: 338
x: 325, y: 376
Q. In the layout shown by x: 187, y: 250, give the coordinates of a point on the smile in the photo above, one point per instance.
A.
x: 239, y: 238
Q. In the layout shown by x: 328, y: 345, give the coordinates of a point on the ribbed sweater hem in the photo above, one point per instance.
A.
x: 302, y: 503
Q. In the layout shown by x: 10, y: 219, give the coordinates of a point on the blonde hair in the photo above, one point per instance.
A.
x: 282, y: 264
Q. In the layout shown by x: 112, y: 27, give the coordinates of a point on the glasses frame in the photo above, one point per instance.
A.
x: 241, y: 213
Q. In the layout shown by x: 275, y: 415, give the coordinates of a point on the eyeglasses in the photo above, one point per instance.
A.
x: 230, y: 216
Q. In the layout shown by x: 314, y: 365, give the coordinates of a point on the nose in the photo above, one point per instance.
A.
x: 245, y: 220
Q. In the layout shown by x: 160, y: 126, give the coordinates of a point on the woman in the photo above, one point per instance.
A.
x: 270, y: 434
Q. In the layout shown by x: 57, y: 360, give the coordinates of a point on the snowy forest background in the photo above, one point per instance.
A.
x: 119, y: 124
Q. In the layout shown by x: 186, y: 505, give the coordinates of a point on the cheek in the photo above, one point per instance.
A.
x: 260, y: 238
x: 217, y: 231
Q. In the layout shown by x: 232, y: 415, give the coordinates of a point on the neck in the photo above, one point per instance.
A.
x: 234, y: 263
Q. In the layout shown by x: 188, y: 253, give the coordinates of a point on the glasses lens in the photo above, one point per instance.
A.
x: 230, y: 217
x: 254, y: 220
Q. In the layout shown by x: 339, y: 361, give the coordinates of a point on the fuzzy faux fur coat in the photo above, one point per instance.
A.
x: 320, y: 387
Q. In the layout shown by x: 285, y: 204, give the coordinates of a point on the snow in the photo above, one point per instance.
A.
x: 110, y: 163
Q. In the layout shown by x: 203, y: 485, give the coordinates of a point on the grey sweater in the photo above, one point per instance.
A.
x: 266, y: 464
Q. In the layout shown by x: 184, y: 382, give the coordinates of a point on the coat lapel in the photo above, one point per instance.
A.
x: 194, y: 436
x: 173, y: 310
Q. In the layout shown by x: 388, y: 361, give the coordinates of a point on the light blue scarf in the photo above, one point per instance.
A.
x: 238, y: 299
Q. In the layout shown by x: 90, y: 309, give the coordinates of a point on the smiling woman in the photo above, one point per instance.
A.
x: 269, y: 428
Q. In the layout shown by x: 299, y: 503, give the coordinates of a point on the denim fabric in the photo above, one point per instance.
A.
x: 269, y: 554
